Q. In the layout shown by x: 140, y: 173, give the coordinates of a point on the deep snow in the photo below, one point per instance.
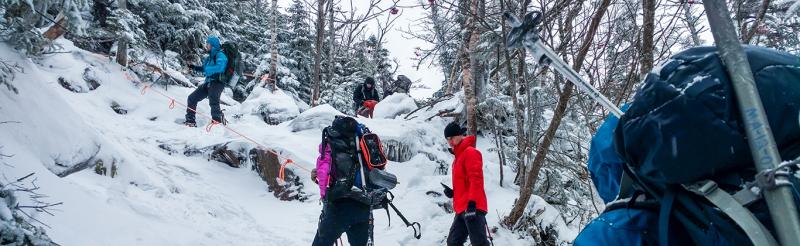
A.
x: 162, y: 198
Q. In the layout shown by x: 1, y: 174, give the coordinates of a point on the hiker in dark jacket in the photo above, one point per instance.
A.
x: 365, y: 92
x: 341, y: 212
x: 469, y: 197
x: 213, y: 67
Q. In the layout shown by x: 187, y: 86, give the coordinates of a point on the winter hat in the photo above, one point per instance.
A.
x: 213, y: 41
x: 454, y: 129
x: 370, y: 81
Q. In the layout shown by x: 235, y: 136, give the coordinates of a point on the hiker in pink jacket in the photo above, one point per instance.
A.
x: 321, y: 174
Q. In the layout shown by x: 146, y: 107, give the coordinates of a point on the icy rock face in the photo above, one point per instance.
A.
x: 397, y: 151
x: 14, y: 228
x: 315, y: 118
x: 274, y: 107
x: 394, y: 105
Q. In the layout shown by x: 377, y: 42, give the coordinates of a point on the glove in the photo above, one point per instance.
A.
x: 447, y: 191
x: 471, y: 212
x: 314, y: 175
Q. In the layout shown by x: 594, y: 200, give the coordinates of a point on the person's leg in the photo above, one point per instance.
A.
x: 358, y: 225
x: 214, y: 92
x: 477, y: 230
x: 358, y: 233
x: 330, y: 228
x: 197, y: 95
x: 458, y: 232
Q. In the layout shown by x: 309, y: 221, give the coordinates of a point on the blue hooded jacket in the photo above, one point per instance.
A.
x: 216, y: 61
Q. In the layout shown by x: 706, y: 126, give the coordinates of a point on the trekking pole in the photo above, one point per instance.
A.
x: 526, y: 34
x: 370, y: 231
x: 778, y: 191
x: 415, y: 225
x: 489, y: 233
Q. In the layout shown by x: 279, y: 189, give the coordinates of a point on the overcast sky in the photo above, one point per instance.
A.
x: 399, y: 47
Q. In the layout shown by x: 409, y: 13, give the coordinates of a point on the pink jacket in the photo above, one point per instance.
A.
x: 323, y: 169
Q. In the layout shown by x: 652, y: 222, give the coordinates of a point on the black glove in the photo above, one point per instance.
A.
x: 471, y: 212
x: 196, y: 68
x: 447, y: 191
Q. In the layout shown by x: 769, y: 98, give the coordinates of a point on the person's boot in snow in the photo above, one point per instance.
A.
x: 190, y: 123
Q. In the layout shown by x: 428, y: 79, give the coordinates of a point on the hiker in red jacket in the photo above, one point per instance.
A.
x: 469, y: 198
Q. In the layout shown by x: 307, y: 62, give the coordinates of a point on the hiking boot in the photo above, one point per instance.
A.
x: 190, y: 124
x: 222, y: 121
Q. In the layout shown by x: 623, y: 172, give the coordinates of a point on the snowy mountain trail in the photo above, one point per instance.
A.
x: 161, y: 194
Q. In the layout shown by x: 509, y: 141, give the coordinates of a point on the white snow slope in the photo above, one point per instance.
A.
x: 159, y: 198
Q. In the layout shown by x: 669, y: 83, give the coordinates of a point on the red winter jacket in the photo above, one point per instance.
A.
x: 468, y: 176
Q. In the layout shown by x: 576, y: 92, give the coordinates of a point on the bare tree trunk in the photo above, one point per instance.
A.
x: 519, y: 110
x: 762, y: 11
x: 273, y: 68
x: 318, y: 54
x: 691, y: 22
x: 468, y: 78
x: 527, y: 189
x: 122, y: 45
x: 331, y: 42
x: 648, y: 27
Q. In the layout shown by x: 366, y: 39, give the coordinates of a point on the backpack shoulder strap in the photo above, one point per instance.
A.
x: 756, y: 231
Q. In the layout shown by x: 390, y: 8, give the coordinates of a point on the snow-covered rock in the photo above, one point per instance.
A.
x: 315, y: 118
x: 394, y: 105
x: 274, y: 107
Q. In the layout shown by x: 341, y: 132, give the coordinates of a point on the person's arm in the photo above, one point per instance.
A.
x: 358, y: 97
x: 218, y: 66
x: 323, y: 168
x: 474, y: 165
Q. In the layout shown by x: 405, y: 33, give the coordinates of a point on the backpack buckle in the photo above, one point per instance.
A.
x: 702, y: 188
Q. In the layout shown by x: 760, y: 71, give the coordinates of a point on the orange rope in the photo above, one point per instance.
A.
x: 214, y: 122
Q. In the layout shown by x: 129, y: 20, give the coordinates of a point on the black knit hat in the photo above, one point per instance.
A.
x: 454, y: 129
x: 369, y: 80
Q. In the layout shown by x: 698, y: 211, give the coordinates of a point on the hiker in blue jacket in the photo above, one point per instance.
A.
x: 213, y: 67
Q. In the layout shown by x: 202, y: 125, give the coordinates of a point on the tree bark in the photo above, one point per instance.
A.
x: 318, y: 54
x: 691, y: 22
x: 648, y: 27
x: 122, y: 45
x: 468, y: 78
x: 331, y: 42
x: 273, y: 68
x: 519, y: 110
x: 527, y: 189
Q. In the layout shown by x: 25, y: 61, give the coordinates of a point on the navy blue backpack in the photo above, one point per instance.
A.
x: 684, y: 146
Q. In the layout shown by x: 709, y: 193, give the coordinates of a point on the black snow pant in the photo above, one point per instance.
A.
x: 343, y: 216
x: 463, y: 228
x: 211, y: 89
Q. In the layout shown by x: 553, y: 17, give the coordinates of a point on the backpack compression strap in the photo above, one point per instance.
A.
x: 728, y: 204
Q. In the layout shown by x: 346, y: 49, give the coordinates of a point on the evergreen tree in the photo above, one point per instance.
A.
x: 301, y: 48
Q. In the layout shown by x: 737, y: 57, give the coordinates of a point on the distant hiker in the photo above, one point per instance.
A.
x: 401, y: 85
x: 469, y: 197
x: 338, y: 174
x: 365, y: 97
x: 213, y: 69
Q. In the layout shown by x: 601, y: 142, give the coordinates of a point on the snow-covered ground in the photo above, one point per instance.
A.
x: 163, y: 198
